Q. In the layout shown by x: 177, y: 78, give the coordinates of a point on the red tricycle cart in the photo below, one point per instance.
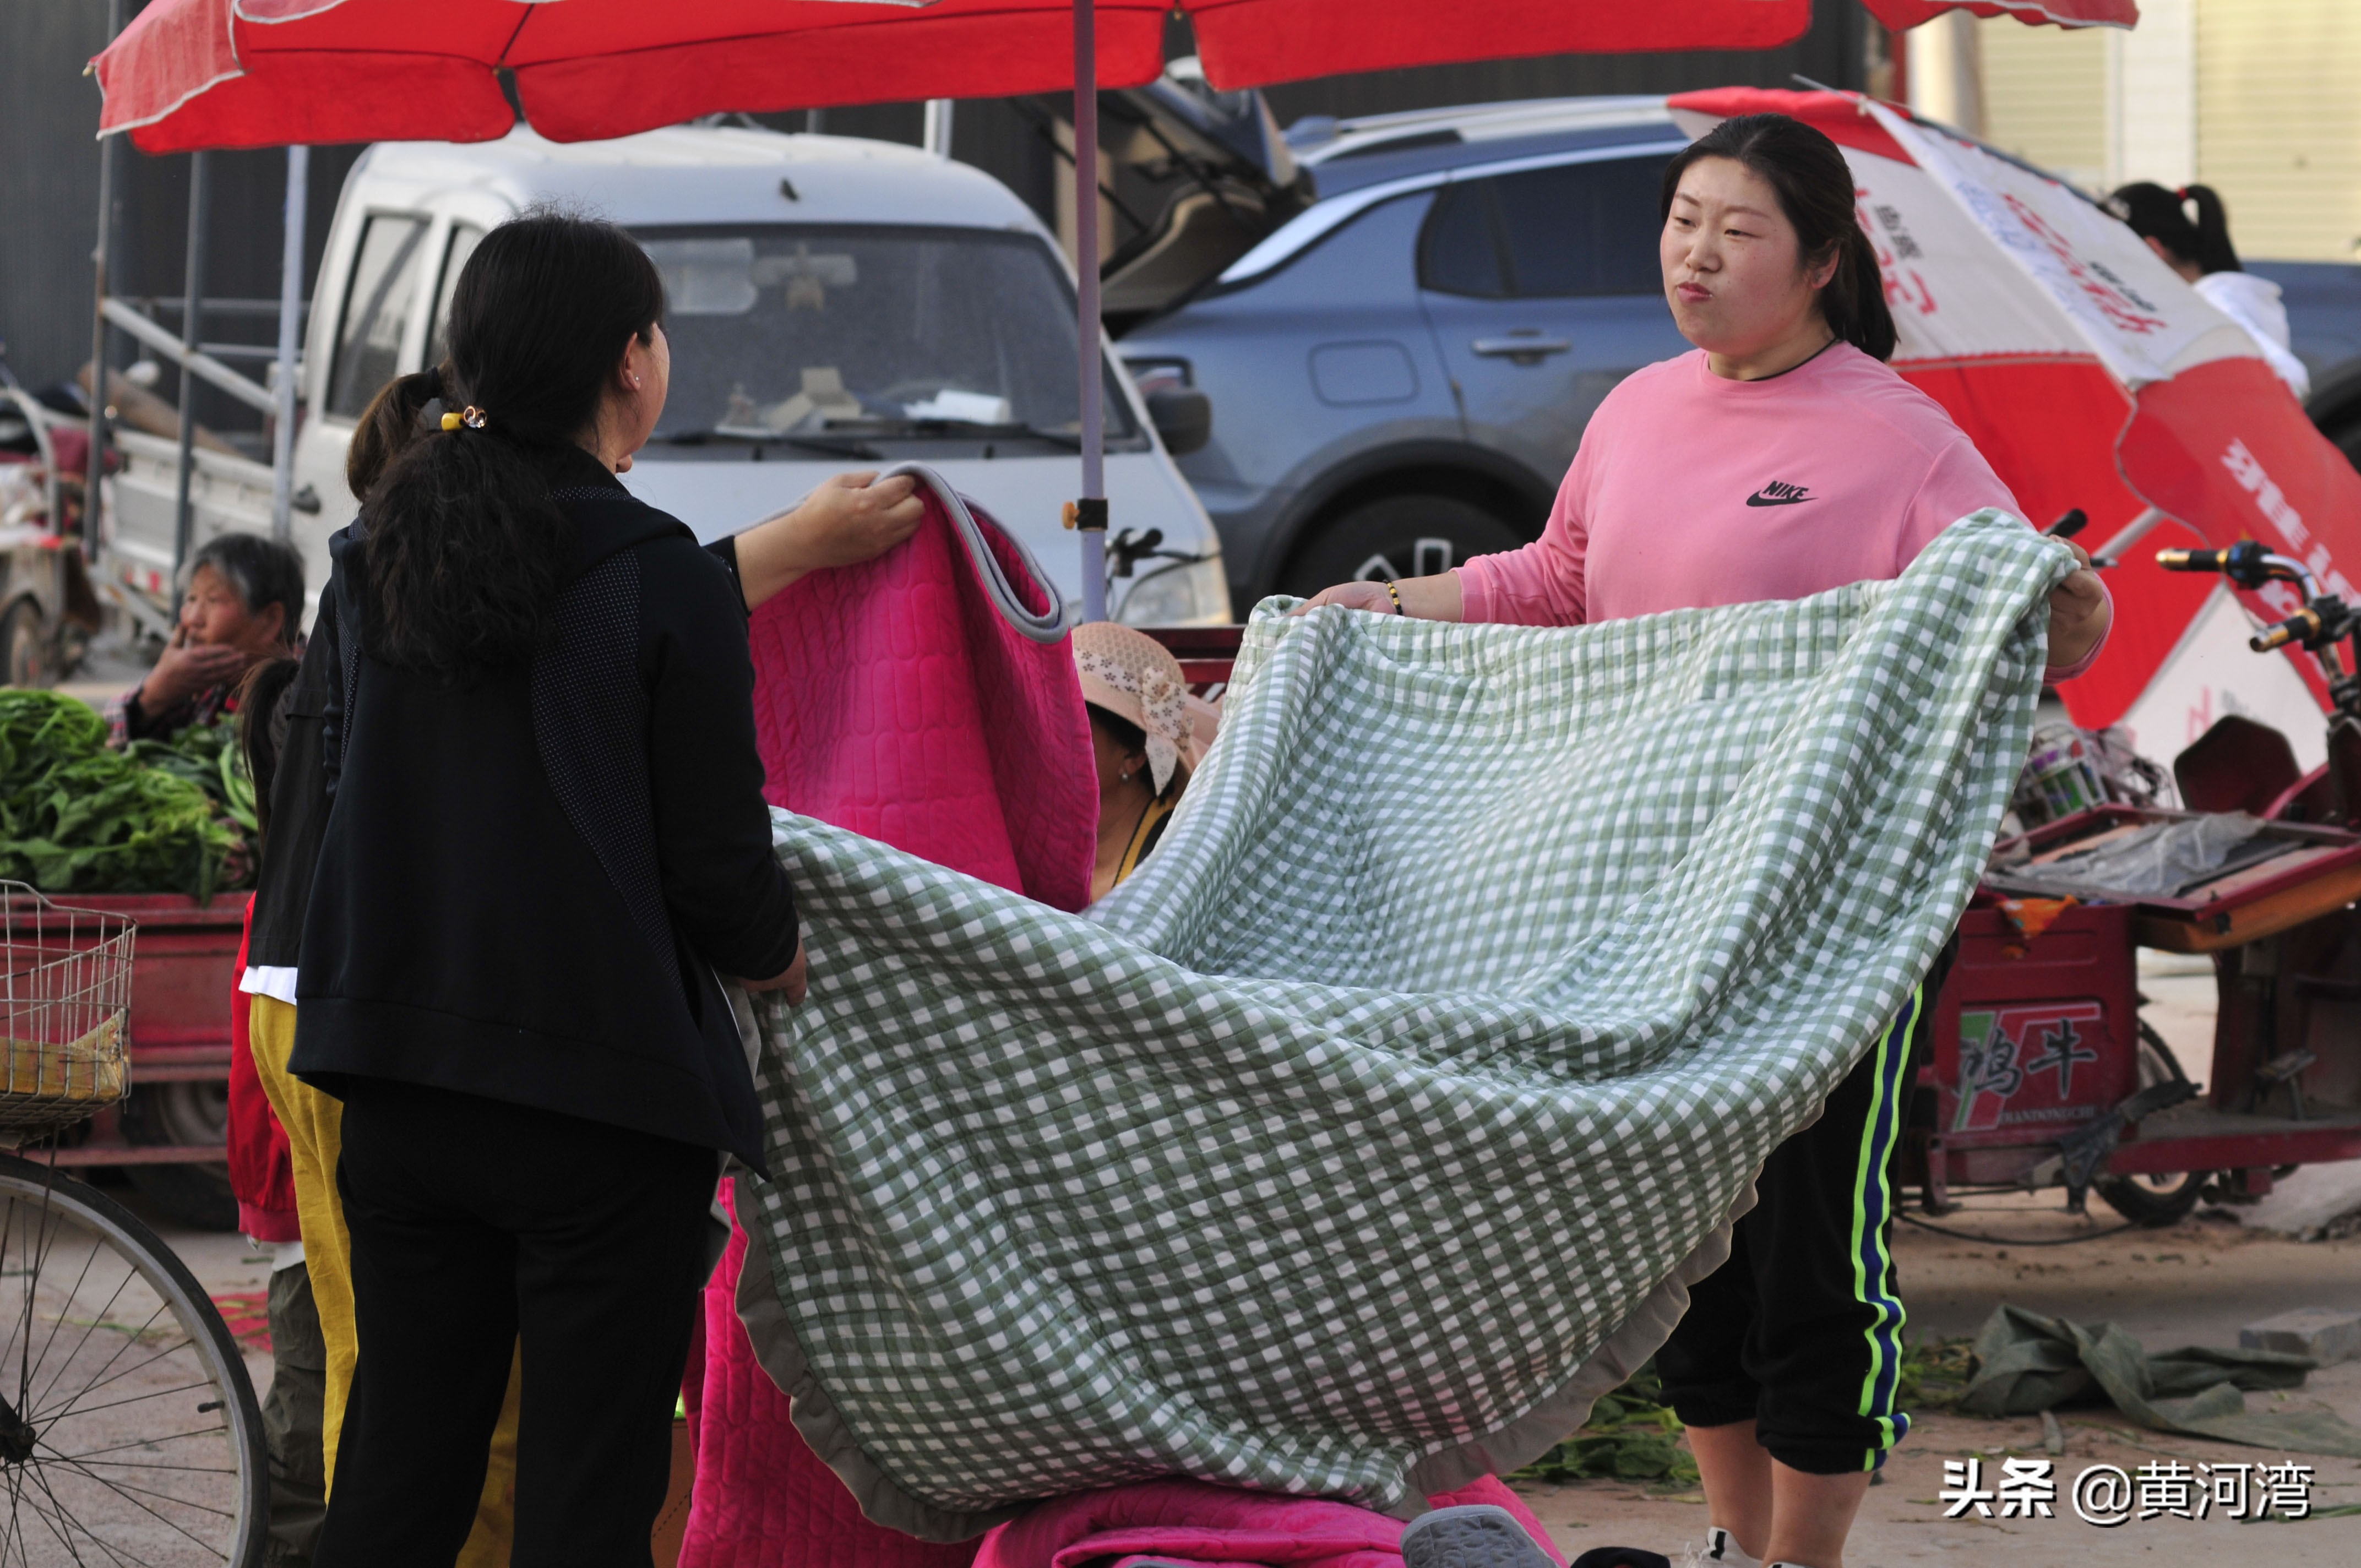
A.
x: 2044, y: 1073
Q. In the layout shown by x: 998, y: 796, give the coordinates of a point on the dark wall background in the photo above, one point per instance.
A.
x: 48, y: 166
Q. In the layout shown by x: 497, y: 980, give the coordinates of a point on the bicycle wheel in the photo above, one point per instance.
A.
x: 129, y: 1432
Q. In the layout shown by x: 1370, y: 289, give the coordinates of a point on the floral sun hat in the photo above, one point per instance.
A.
x: 1134, y: 677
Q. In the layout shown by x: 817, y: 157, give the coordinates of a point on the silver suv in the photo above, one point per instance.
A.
x: 1400, y: 371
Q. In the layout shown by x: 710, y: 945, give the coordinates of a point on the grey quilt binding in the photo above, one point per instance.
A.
x: 1451, y: 1466
x: 1048, y: 627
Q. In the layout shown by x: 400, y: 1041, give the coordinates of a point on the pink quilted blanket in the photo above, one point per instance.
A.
x: 898, y: 699
x: 1192, y: 1522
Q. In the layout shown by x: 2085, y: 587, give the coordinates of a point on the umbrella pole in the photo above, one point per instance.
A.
x: 193, y: 295
x: 1090, y: 514
x: 291, y: 301
x: 92, y: 491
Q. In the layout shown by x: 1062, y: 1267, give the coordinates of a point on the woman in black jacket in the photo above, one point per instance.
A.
x: 545, y: 839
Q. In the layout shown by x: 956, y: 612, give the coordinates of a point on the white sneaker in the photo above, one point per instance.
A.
x: 1722, y: 1548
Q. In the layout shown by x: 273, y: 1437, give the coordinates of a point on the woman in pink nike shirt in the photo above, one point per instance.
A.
x: 1783, y: 457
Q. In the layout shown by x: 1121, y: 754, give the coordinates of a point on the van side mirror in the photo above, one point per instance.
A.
x: 1183, y: 417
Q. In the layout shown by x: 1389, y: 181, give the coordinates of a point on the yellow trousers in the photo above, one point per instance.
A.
x: 314, y: 1124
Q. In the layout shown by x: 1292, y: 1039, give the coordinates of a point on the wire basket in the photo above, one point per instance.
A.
x: 65, y: 994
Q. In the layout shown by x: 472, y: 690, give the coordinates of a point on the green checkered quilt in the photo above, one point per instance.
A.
x: 1380, y: 1122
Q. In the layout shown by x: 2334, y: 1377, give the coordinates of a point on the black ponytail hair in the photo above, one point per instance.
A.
x: 262, y: 731
x: 463, y: 545
x: 2162, y: 215
x: 1815, y: 187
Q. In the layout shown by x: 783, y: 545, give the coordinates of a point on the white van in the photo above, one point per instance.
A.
x: 834, y: 304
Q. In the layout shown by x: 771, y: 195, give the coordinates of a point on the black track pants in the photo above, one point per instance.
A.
x: 481, y: 1229
x: 1801, y: 1330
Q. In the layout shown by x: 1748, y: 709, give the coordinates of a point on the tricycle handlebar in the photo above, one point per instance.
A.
x: 2247, y: 563
x: 2304, y: 626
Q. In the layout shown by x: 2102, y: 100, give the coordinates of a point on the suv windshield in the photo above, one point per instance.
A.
x: 782, y: 331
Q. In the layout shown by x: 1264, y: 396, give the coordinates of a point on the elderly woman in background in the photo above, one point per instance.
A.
x: 1142, y: 737
x: 243, y: 606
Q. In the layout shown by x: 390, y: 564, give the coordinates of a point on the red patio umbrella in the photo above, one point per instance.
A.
x: 217, y: 74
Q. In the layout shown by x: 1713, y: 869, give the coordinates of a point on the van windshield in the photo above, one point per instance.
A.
x: 782, y: 331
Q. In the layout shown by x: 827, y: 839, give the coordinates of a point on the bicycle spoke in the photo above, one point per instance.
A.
x: 189, y: 1469
x: 134, y: 1442
x: 8, y: 1229
x: 31, y: 1276
x: 47, y: 1238
x: 129, y: 1340
x: 135, y: 1502
x: 77, y: 1352
x: 53, y: 1411
x: 127, y: 1488
x: 88, y: 1329
x: 17, y: 1532
x: 74, y: 1294
x: 158, y: 1394
x: 17, y: 1515
x: 112, y: 1552
x: 55, y: 1517
x: 16, y: 1510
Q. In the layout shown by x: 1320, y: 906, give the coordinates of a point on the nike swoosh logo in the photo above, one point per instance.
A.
x: 1759, y: 500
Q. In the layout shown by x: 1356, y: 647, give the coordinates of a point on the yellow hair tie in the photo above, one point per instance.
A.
x: 450, y: 421
x: 470, y: 416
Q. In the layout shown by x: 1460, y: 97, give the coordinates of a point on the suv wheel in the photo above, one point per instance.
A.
x: 1400, y: 536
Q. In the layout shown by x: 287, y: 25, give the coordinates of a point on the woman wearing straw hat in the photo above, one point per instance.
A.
x: 1142, y: 737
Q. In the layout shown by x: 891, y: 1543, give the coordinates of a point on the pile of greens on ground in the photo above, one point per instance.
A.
x: 1631, y: 1436
x: 1935, y: 1372
x: 77, y: 817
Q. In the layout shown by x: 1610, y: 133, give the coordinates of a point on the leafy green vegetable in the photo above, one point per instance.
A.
x: 207, y: 756
x: 77, y: 817
x: 1935, y: 1372
x: 1631, y: 1436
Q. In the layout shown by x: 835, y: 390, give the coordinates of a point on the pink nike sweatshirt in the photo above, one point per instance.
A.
x: 1690, y: 490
